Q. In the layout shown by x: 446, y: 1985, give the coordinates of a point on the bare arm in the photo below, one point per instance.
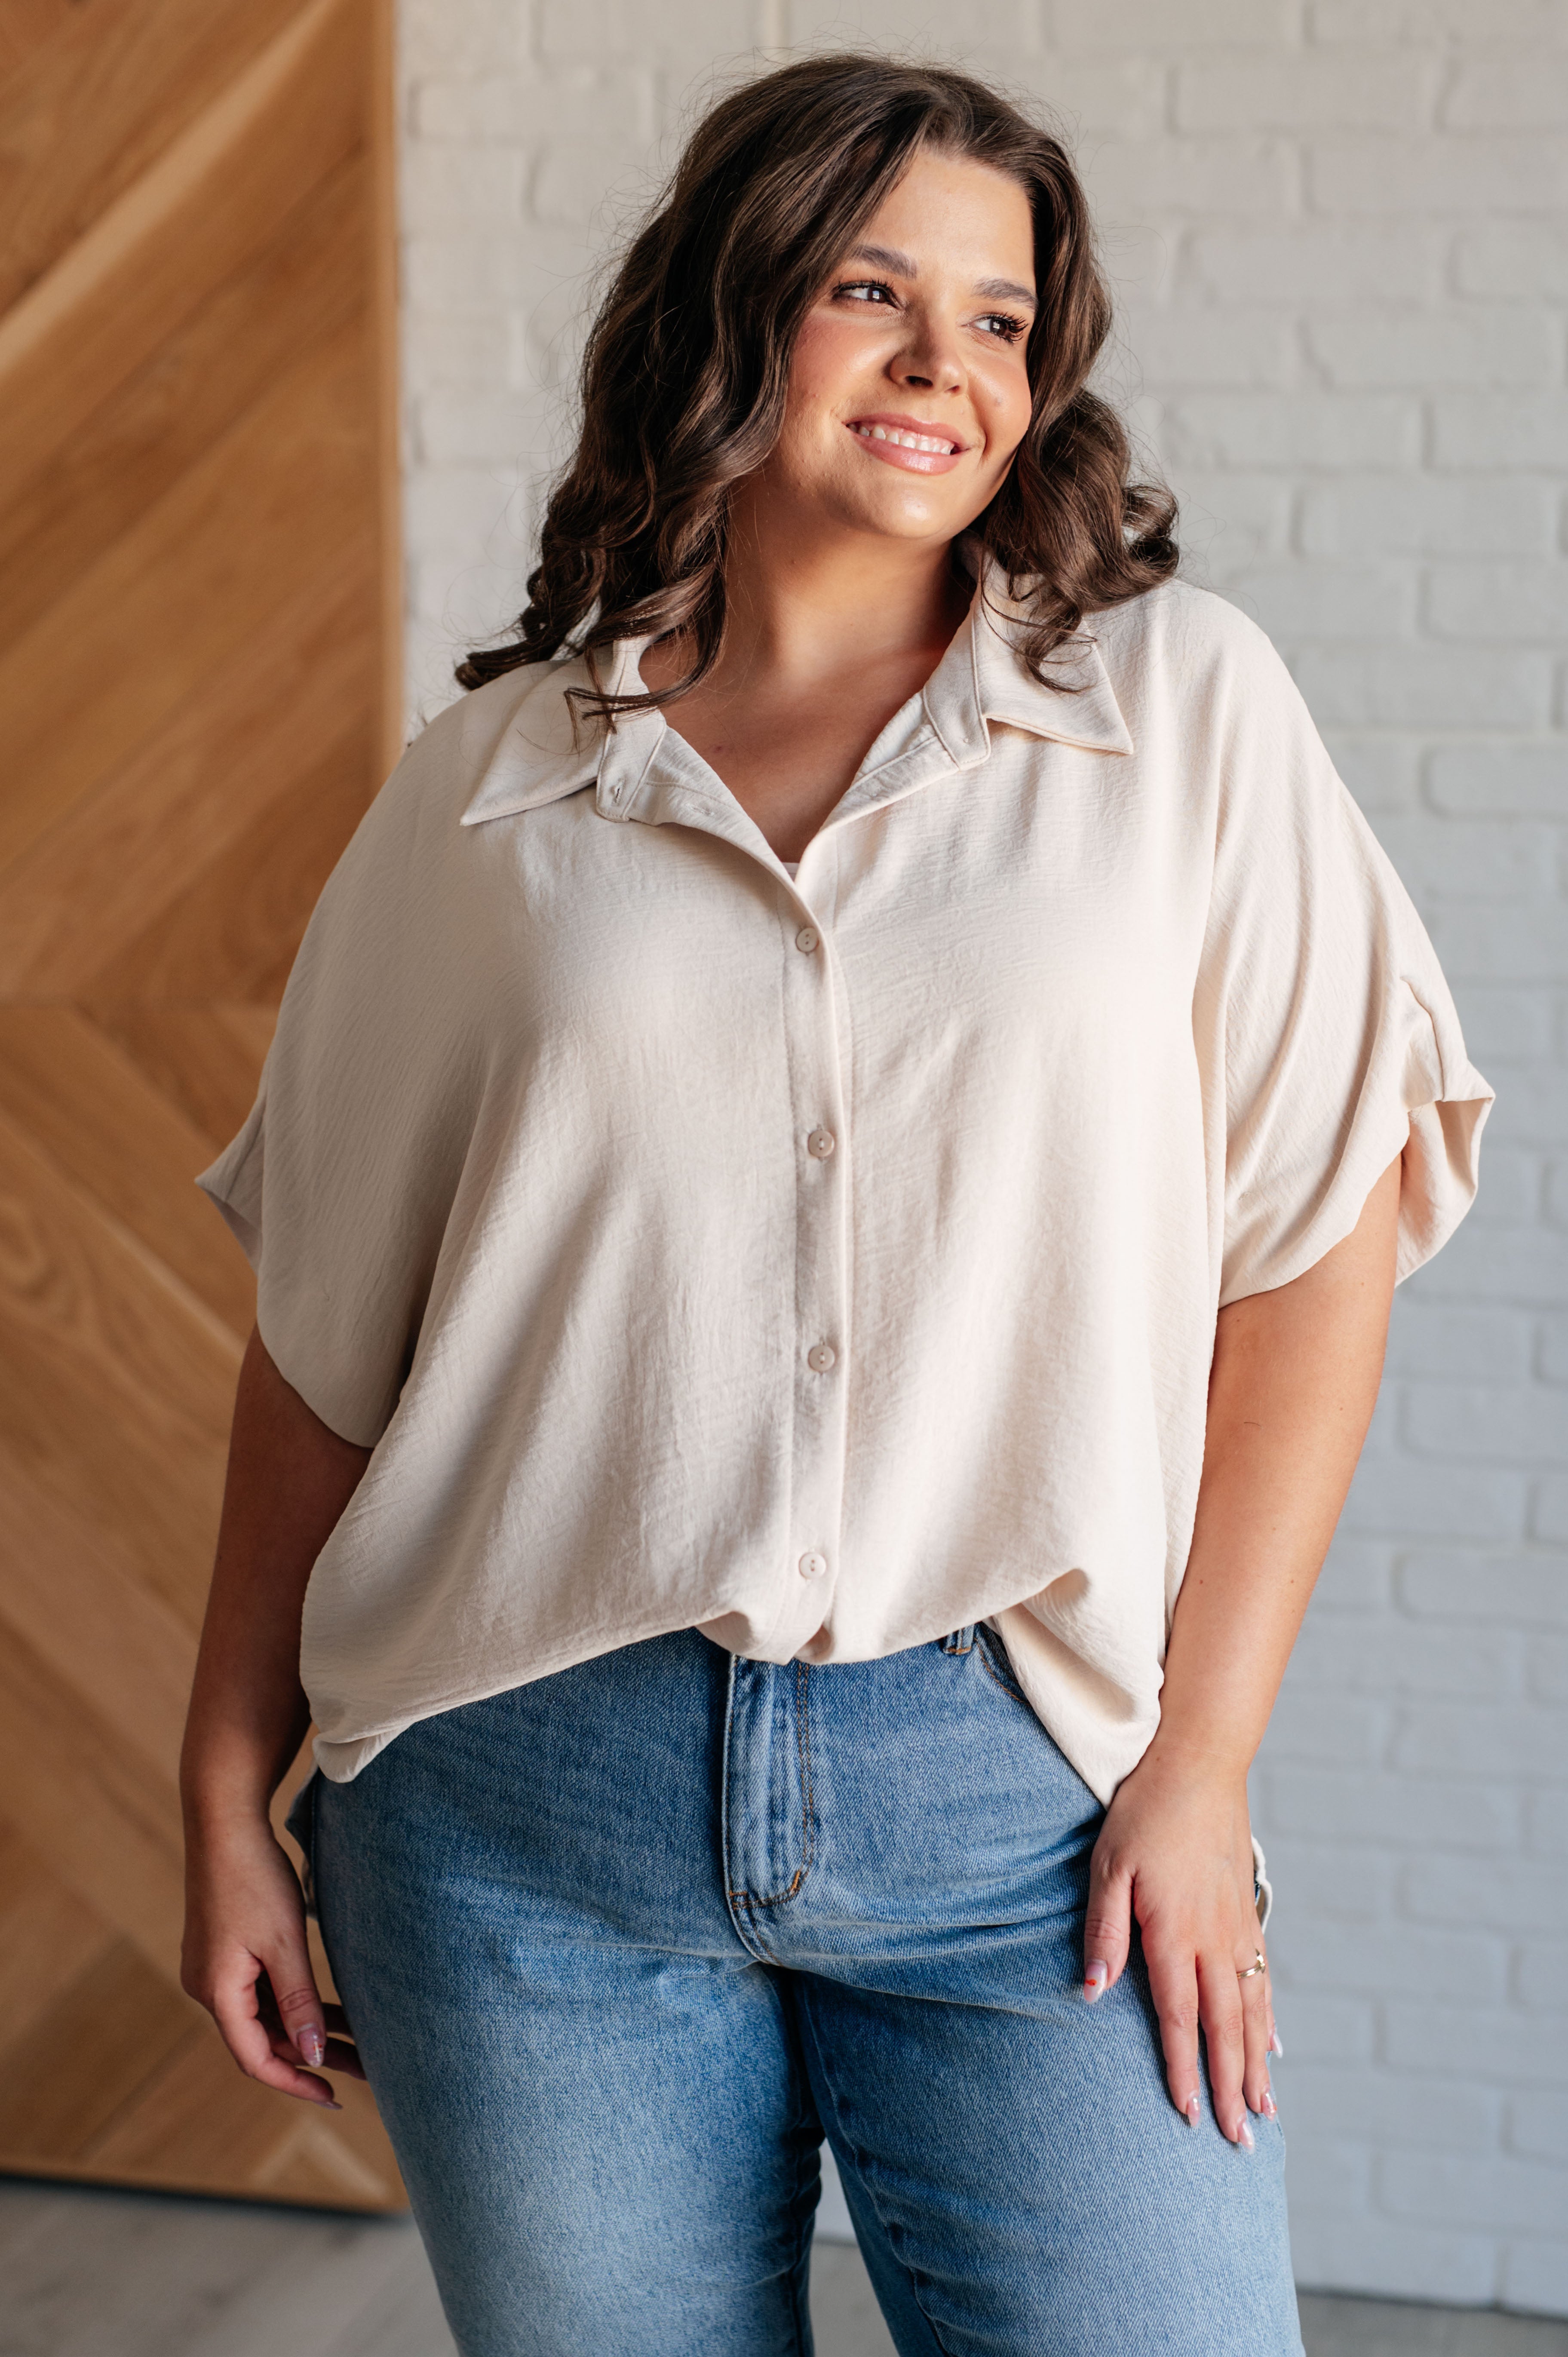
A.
x: 246, y: 1955
x: 1293, y: 1383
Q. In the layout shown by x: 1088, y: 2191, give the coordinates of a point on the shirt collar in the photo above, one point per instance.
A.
x: 540, y: 758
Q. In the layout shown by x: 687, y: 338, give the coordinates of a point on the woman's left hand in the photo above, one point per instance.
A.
x: 1175, y: 1851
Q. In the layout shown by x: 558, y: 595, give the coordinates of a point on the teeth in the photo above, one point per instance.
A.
x: 905, y: 441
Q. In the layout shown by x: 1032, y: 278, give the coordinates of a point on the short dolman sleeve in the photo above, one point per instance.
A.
x: 1327, y: 1035
x: 341, y: 1183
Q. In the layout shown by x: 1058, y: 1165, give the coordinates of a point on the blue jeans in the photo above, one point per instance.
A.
x: 620, y: 1946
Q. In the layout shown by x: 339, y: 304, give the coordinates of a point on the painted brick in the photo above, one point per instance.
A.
x: 1516, y: 1426
x: 520, y: 109
x: 1547, y: 1676
x: 1357, y: 1579
x: 1524, y: 1591
x: 1400, y: 1499
x: 1546, y: 1824
x: 1459, y: 1811
x: 1330, y: 2176
x: 1516, y: 1022
x: 1380, y: 90
x: 1506, y: 259
x: 1503, y: 2047
x: 1215, y: 347
x: 1516, y: 1181
x: 482, y: 37
x: 1549, y: 1515
x: 1231, y: 523
x: 1502, y: 93
x: 1459, y: 177
x: 1156, y: 177
x: 1553, y: 1363
x: 1319, y: 261
x: 1319, y: 2027
x: 1297, y: 430
x: 1539, y: 23
x: 1432, y: 1340
x: 1520, y: 780
x: 1542, y: 1980
x: 1538, y: 2124
x: 1458, y: 1738
x: 1391, y: 1657
x: 1496, y: 345
x: 1336, y: 1730
x: 1298, y: 602
x: 1500, y: 429
x: 1507, y: 1895
x: 1380, y: 772
x: 1141, y: 24
x: 1481, y: 859
x: 1382, y: 515
x: 1326, y: 1880
x: 1394, y: 2261
x: 1499, y: 945
x: 1409, y: 1956
x: 1535, y: 2276
x: 1510, y: 602
x: 1532, y: 1100
x: 601, y: 29
x: 464, y: 184
x: 1496, y: 2191
x: 1387, y: 2108
x: 1104, y: 98
x: 1424, y: 687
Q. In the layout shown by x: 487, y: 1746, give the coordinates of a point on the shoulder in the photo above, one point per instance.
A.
x: 1190, y: 639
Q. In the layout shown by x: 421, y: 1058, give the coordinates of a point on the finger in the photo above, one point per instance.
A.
x: 1173, y: 1984
x: 1220, y: 2003
x: 298, y: 2000
x: 1108, y: 1924
x: 237, y: 2006
x: 1255, y: 2041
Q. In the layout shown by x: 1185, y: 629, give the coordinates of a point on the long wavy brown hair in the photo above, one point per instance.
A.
x: 687, y: 368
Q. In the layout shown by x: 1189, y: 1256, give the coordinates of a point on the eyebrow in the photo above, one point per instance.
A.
x: 884, y: 257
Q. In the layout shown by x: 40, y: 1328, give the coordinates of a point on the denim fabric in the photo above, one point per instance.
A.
x: 619, y: 1946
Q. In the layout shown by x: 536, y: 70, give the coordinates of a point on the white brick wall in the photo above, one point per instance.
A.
x: 1337, y: 229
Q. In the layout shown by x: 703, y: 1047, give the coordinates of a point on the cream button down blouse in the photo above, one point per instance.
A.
x: 826, y: 1262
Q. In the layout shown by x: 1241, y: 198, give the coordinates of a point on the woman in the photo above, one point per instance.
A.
x: 825, y: 1201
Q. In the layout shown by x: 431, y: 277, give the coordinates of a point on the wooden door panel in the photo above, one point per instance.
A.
x: 198, y: 675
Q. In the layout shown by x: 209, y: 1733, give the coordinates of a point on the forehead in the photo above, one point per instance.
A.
x: 951, y: 212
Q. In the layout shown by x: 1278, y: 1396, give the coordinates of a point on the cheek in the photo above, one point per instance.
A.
x: 1004, y: 403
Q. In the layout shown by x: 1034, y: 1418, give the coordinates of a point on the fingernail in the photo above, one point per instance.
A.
x: 1267, y: 2106
x: 1194, y: 2112
x: 330, y: 2105
x: 1244, y: 2134
x: 1274, y: 2046
x: 312, y: 2047
x: 1096, y: 1980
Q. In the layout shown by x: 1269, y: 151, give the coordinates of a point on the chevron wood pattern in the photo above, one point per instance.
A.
x: 198, y: 697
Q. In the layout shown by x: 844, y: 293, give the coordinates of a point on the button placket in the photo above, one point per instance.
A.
x: 814, y: 1015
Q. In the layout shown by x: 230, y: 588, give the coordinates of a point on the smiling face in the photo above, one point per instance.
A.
x: 907, y: 388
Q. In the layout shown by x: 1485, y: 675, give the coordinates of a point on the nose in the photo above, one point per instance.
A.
x: 929, y: 360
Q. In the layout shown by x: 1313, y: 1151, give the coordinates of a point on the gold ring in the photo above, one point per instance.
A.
x: 1257, y: 1965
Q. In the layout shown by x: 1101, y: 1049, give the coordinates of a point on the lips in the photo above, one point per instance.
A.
x: 908, y: 442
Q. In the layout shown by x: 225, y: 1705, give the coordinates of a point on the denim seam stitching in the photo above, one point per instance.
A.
x: 751, y: 1900
x: 1006, y: 1684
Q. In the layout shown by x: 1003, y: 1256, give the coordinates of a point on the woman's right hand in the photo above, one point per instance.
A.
x: 247, y: 1960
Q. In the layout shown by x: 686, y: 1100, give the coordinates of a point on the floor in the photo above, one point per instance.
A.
x: 88, y: 2274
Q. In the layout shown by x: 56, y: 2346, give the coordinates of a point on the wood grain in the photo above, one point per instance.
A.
x: 198, y: 635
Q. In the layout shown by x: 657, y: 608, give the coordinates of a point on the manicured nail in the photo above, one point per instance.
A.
x: 1274, y: 2046
x: 312, y: 2047
x: 1096, y: 1980
x: 1244, y: 2133
x: 1267, y: 2107
x: 329, y: 2105
x: 1194, y: 2113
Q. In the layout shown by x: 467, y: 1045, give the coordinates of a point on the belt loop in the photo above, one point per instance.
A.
x: 962, y: 1640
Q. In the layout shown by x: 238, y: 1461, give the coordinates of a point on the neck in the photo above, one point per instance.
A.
x: 807, y: 601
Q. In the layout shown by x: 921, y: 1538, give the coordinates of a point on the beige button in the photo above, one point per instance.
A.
x: 813, y: 1565
x: 807, y: 938
x: 821, y: 1357
x: 820, y: 1143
